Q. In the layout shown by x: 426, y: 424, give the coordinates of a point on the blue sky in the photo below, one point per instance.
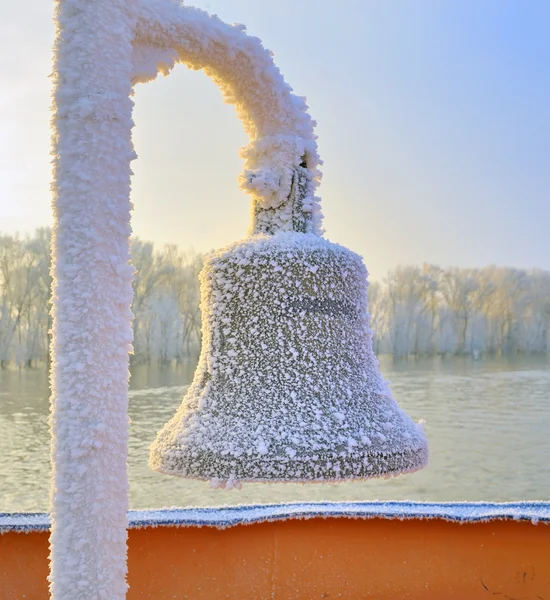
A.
x: 433, y: 123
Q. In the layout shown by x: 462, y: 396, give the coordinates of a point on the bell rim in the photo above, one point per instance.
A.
x: 413, y: 461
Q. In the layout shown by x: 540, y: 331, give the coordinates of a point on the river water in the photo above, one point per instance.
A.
x: 488, y: 424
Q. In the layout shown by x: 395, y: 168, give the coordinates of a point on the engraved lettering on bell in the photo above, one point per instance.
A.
x: 317, y: 305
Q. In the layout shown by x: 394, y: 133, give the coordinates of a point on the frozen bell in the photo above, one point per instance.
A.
x: 287, y: 387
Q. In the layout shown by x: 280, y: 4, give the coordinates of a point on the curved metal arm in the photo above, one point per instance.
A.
x: 283, y: 144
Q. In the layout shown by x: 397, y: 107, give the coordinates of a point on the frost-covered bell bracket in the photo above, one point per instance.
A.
x: 281, y: 161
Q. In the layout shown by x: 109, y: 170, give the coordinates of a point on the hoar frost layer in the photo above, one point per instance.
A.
x: 287, y: 387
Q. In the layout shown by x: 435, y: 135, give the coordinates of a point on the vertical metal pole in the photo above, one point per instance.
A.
x: 92, y: 294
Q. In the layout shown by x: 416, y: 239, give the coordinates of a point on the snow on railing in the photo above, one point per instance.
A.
x: 458, y: 512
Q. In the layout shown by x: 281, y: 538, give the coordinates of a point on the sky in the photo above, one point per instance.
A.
x: 433, y: 123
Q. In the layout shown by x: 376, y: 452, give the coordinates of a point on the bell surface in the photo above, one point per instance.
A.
x: 287, y: 387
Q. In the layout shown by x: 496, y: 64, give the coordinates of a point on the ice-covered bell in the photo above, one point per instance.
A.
x: 287, y: 387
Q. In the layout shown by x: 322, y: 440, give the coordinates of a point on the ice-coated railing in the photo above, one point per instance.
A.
x: 460, y: 512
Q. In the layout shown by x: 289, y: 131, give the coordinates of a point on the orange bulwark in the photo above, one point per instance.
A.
x: 304, y: 551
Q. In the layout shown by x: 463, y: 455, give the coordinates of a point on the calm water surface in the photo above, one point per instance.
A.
x: 488, y: 424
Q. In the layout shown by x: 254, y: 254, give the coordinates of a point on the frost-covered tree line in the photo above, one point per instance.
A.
x: 167, y: 322
x: 166, y: 301
x: 423, y: 310
x: 25, y: 281
x: 428, y: 310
